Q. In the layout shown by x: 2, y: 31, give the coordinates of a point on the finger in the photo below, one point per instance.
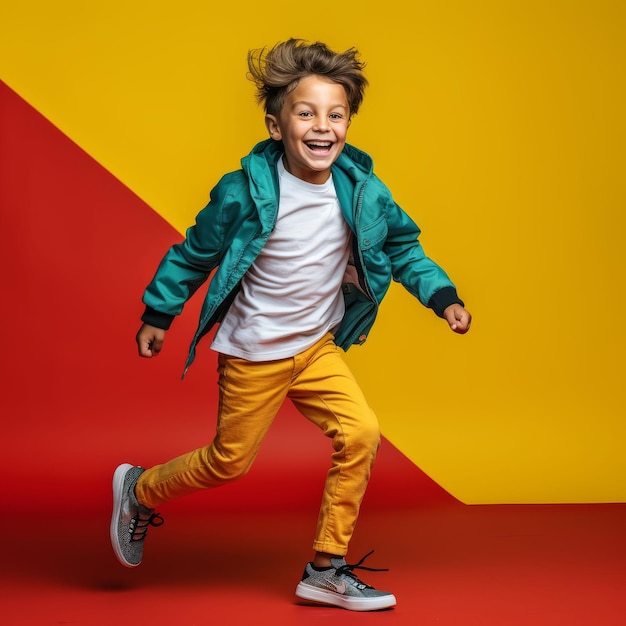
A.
x: 144, y: 349
x: 155, y: 346
x: 463, y: 324
x: 450, y: 317
x: 453, y: 321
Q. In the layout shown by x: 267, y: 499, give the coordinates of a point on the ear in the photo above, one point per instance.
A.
x: 271, y: 122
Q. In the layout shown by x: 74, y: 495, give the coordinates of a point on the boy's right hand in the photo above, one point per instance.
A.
x: 149, y: 340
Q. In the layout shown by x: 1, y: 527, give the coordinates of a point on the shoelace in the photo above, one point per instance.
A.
x: 348, y: 569
x: 138, y: 527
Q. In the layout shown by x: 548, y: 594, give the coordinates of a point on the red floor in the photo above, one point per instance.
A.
x: 451, y: 566
x: 78, y: 248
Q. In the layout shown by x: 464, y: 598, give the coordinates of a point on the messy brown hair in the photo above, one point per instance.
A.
x: 278, y: 70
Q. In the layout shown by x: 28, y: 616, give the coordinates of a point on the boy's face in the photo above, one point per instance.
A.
x: 312, y: 125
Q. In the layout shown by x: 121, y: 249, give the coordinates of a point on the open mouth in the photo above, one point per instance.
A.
x: 319, y: 146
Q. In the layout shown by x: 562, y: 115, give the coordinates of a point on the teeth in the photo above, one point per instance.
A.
x: 319, y: 144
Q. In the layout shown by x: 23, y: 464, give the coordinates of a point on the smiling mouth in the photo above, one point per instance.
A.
x: 319, y: 145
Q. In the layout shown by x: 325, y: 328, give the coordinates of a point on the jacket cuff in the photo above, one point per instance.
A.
x: 157, y: 319
x: 442, y: 299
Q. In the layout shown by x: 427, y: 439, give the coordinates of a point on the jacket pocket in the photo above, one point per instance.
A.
x: 374, y: 234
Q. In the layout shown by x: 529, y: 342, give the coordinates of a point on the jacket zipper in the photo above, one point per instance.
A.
x: 359, y: 257
x: 360, y: 267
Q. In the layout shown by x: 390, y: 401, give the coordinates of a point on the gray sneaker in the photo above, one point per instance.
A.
x: 130, y: 520
x: 339, y: 586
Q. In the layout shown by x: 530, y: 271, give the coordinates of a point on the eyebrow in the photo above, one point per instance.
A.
x: 310, y: 104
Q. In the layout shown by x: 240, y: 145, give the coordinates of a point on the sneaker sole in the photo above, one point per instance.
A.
x: 118, y: 487
x: 321, y: 596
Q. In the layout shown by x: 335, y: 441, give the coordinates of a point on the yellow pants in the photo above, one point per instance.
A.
x: 323, y: 389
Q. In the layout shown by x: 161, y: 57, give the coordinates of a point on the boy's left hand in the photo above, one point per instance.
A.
x: 458, y: 318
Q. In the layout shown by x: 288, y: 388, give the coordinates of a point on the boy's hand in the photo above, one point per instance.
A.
x: 149, y: 340
x: 458, y: 318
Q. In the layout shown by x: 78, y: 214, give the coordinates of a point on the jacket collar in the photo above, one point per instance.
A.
x: 351, y: 169
x: 354, y: 162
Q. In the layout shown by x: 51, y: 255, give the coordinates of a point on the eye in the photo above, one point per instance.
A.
x: 305, y: 114
x: 336, y: 116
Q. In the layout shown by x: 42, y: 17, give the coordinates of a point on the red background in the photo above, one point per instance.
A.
x: 78, y: 249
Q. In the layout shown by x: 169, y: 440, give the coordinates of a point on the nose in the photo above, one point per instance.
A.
x: 321, y: 125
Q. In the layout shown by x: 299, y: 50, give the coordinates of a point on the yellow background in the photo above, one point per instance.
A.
x: 500, y: 128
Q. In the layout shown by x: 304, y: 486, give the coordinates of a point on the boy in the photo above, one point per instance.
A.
x: 305, y: 239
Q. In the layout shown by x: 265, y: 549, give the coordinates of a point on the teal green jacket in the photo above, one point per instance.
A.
x: 232, y: 229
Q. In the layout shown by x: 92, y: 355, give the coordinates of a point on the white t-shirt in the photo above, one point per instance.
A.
x: 291, y: 295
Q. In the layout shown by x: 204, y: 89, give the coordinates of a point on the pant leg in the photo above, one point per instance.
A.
x: 326, y: 392
x: 250, y: 395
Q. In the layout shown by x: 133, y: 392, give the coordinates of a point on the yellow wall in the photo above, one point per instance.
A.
x: 498, y: 125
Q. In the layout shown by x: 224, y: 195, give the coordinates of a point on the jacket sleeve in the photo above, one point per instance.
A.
x: 410, y: 266
x: 188, y: 264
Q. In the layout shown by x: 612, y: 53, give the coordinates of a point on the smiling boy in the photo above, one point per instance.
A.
x: 304, y: 240
x: 313, y: 125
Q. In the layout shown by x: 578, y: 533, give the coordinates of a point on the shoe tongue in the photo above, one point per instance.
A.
x: 338, y: 562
